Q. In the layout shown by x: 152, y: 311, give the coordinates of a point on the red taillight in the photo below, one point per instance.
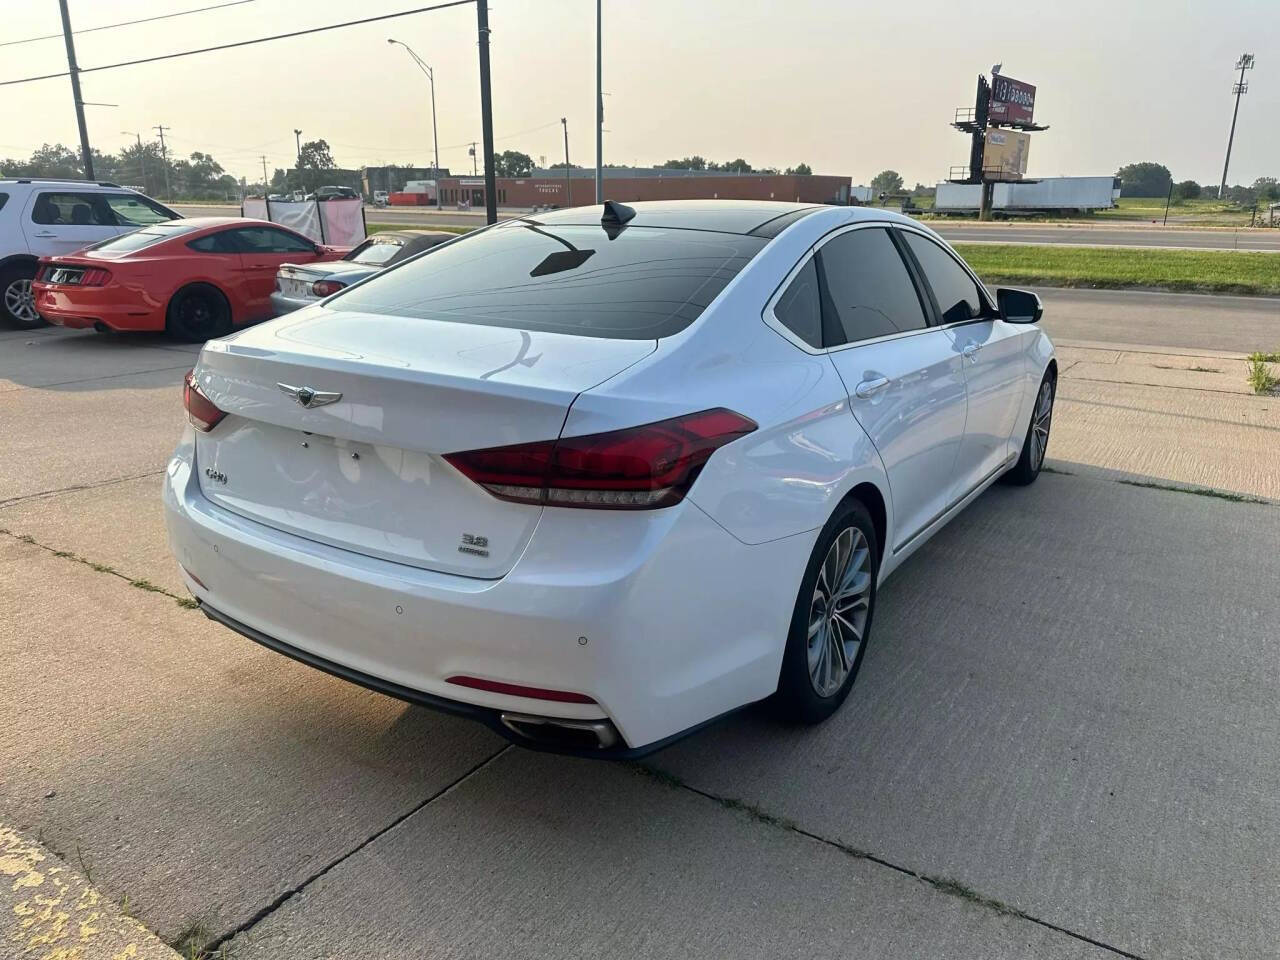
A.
x: 633, y: 469
x: 95, y: 277
x: 520, y: 690
x: 204, y: 416
x: 322, y: 288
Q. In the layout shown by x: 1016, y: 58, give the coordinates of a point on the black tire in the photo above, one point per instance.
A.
x: 1031, y: 460
x: 16, y: 304
x: 197, y: 313
x: 799, y: 699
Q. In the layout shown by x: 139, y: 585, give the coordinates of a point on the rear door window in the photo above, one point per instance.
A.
x: 58, y: 208
x: 958, y: 296
x: 634, y: 283
x: 799, y: 309
x: 867, y: 290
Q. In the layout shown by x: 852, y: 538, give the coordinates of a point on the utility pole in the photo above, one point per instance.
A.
x: 599, y: 114
x: 266, y: 184
x: 486, y: 113
x: 85, y: 153
x: 472, y: 151
x: 142, y: 157
x: 164, y: 157
x: 568, y: 183
x: 1240, y: 88
x: 297, y: 137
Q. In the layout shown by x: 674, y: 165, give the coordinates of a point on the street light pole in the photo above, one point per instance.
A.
x: 435, y: 140
x: 1244, y: 63
x: 599, y: 114
x: 568, y: 183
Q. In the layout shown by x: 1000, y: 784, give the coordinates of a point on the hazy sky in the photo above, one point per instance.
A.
x: 847, y: 87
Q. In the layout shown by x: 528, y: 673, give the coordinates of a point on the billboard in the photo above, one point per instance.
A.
x: 1012, y: 101
x: 1005, y: 155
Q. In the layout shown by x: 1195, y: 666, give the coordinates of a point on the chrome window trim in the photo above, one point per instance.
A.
x: 772, y: 320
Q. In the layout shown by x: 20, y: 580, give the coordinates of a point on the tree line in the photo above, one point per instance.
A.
x: 1149, y: 179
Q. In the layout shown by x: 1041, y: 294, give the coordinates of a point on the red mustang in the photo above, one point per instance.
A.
x: 195, y: 278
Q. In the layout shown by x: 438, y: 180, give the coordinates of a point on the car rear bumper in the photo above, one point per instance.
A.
x: 80, y: 307
x: 662, y: 618
x: 282, y: 303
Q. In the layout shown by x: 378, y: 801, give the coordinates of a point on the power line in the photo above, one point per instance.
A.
x: 127, y: 23
x: 244, y: 43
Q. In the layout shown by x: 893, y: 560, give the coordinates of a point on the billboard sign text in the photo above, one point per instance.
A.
x: 1012, y: 101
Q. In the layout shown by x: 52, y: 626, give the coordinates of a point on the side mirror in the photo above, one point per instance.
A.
x: 1019, y: 306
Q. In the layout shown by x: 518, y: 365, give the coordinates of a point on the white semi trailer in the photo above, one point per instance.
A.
x: 1047, y: 195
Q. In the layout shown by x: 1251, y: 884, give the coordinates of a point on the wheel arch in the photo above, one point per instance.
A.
x: 870, y: 496
x: 17, y: 258
x: 192, y: 285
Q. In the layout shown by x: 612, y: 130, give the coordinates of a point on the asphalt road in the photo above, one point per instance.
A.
x: 1063, y: 743
x: 1137, y: 236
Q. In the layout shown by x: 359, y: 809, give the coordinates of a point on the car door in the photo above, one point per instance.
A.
x: 993, y: 361
x: 62, y: 221
x: 903, y: 376
x: 263, y: 250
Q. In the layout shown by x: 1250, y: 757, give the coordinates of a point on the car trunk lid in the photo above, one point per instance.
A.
x: 359, y: 464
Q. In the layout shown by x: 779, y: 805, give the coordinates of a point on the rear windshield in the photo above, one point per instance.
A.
x: 138, y: 239
x: 642, y: 283
x: 375, y: 252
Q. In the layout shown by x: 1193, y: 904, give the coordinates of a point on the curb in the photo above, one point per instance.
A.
x: 47, y: 910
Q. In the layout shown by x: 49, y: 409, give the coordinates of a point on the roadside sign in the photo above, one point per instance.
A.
x: 1012, y: 101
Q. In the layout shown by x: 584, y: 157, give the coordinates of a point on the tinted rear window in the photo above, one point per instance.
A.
x: 643, y: 284
x: 145, y: 237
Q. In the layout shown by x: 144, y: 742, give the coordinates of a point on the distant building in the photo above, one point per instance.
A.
x: 548, y: 188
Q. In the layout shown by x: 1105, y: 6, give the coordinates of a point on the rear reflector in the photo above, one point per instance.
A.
x: 633, y: 469
x: 520, y: 690
x: 204, y: 416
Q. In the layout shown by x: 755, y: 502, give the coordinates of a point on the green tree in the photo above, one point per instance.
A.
x: 1187, y: 190
x: 1144, y: 180
x: 1267, y: 189
x: 512, y: 163
x: 887, y: 182
x: 687, y: 163
x: 800, y: 170
x: 737, y: 166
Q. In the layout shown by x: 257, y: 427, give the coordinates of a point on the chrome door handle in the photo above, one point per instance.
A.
x: 970, y: 350
x: 869, y: 388
x: 45, y: 235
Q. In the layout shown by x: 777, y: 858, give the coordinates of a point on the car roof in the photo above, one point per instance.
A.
x: 721, y: 216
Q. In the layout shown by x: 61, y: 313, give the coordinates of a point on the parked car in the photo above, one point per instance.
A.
x: 599, y: 478
x: 381, y: 198
x: 300, y: 286
x: 49, y: 217
x: 195, y: 278
x: 334, y: 193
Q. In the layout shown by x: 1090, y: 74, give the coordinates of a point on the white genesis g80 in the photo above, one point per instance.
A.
x: 600, y: 476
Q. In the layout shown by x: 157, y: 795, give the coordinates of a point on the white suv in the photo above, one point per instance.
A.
x: 44, y: 218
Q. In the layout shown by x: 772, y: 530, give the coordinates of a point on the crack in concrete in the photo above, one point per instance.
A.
x: 110, y: 376
x: 80, y: 486
x: 945, y: 885
x: 283, y: 898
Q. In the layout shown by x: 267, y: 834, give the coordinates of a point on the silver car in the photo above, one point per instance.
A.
x: 300, y: 286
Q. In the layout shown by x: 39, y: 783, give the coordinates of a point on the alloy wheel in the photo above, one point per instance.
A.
x: 1040, y: 425
x: 838, y: 611
x: 21, y: 302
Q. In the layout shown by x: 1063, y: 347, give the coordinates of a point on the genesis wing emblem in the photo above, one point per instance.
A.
x: 309, y: 397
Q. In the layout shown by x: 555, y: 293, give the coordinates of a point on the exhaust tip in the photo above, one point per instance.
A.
x: 559, y: 733
x: 101, y: 327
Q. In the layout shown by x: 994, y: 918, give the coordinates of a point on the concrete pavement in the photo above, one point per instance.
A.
x: 1063, y: 742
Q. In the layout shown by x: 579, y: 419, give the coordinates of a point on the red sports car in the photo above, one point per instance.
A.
x: 195, y: 278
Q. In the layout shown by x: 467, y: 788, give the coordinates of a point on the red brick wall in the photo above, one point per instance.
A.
x: 550, y: 191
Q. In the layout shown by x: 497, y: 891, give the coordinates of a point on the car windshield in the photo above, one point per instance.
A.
x: 634, y: 283
x: 375, y: 252
x: 138, y: 239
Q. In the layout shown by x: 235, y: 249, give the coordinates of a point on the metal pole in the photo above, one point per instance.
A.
x: 1244, y: 63
x: 85, y: 153
x: 164, y: 157
x: 568, y: 182
x: 486, y: 114
x: 266, y: 184
x: 1168, y: 200
x: 435, y: 140
x: 599, y: 115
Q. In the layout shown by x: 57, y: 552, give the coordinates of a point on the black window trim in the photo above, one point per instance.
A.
x: 989, y: 312
x: 772, y: 320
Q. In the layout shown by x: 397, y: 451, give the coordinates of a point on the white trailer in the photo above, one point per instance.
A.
x: 1047, y: 195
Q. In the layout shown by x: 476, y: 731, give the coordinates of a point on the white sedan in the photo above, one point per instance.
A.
x: 600, y: 477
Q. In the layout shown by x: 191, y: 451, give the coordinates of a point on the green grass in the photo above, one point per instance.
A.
x: 1206, y: 212
x: 378, y: 227
x: 1197, y: 271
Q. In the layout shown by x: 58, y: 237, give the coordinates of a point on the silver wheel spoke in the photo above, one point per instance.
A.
x: 838, y: 611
